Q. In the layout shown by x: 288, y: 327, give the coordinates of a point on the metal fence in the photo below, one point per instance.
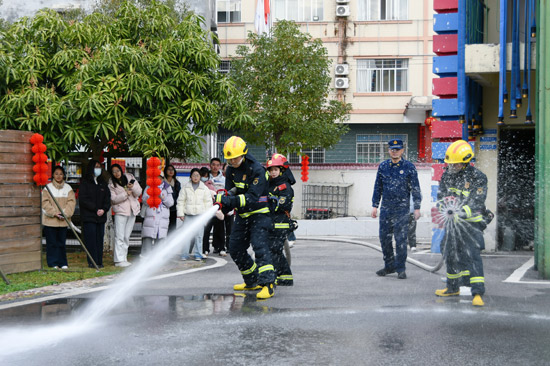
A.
x: 323, y: 201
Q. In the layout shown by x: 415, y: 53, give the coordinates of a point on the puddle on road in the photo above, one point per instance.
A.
x: 173, y: 307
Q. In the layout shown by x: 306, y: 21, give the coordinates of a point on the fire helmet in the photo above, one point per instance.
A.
x: 234, y: 147
x: 277, y: 160
x: 459, y: 152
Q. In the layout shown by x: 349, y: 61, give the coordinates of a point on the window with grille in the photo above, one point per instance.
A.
x: 383, y: 9
x: 229, y: 11
x: 382, y: 75
x: 298, y: 10
x: 225, y: 66
x: 374, y: 148
x: 316, y: 156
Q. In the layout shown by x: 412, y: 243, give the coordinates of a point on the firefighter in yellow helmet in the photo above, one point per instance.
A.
x: 246, y: 179
x: 461, y: 198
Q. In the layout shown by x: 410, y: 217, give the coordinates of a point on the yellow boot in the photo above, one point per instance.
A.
x: 266, y: 292
x: 477, y: 301
x: 445, y: 292
x: 244, y: 287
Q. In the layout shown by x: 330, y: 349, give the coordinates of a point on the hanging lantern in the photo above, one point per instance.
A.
x: 39, y: 159
x: 305, y: 168
x: 153, y: 181
x: 429, y: 122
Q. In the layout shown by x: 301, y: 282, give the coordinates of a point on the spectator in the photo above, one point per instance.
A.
x: 95, y: 201
x: 218, y: 241
x: 156, y: 219
x: 125, y: 191
x: 195, y: 198
x: 55, y: 226
x: 170, y: 175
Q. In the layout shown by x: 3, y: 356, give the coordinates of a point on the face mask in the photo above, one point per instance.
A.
x: 97, y: 172
x: 204, y: 179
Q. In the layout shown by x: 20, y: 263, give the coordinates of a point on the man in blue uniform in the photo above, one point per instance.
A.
x: 396, y: 181
x: 248, y: 179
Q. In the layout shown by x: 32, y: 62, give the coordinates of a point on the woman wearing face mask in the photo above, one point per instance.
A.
x: 125, y: 191
x: 55, y: 226
x: 195, y: 198
x: 95, y: 201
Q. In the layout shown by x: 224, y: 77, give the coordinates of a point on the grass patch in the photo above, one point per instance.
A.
x: 78, y: 270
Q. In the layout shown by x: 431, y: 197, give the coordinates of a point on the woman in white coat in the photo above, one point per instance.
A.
x: 194, y: 199
x: 125, y: 191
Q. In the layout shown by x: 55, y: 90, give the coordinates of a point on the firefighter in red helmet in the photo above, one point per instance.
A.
x: 281, y: 197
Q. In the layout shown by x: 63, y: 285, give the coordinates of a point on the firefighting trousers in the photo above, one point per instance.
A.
x: 252, y: 230
x: 462, y: 250
x: 394, y: 224
x: 277, y: 237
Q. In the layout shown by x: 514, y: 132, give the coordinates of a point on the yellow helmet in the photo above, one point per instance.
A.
x: 234, y: 147
x: 459, y: 152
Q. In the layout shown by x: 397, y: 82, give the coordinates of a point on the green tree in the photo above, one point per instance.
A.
x: 138, y: 77
x: 286, y: 80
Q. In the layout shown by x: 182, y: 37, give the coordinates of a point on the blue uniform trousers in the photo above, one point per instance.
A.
x: 462, y: 248
x: 253, y: 230
x: 394, y: 224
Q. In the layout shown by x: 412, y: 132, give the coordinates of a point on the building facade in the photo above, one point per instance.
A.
x: 382, y: 54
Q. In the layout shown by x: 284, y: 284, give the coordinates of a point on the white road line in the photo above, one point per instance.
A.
x: 219, y: 263
x: 518, y: 274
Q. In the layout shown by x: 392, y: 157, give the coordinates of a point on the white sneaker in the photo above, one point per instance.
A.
x: 205, y: 254
x: 413, y: 249
x: 123, y: 264
x: 291, y: 243
x: 223, y: 253
x: 65, y: 267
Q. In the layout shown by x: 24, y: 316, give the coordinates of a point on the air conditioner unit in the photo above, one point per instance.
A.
x: 342, y: 1
x: 341, y: 83
x: 341, y: 69
x: 342, y: 11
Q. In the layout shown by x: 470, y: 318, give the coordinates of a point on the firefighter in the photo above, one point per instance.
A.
x: 281, y: 197
x: 463, y: 240
x: 248, y: 180
x: 396, y: 181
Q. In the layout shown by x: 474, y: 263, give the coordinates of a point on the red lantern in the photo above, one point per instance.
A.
x: 305, y: 168
x: 39, y: 158
x: 153, y: 181
x: 429, y: 122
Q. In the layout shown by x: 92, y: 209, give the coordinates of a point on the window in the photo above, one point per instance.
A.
x: 374, y: 148
x: 377, y: 76
x: 383, y: 9
x: 316, y: 156
x: 298, y: 10
x: 225, y: 66
x: 229, y: 11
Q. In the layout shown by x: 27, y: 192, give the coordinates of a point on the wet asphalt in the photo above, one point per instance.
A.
x: 337, y: 313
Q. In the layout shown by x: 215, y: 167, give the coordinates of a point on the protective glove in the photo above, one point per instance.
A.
x: 224, y: 202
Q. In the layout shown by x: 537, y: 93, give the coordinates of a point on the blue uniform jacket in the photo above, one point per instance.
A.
x: 395, y: 183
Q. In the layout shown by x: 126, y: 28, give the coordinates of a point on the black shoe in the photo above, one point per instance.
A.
x: 384, y: 271
x: 402, y: 275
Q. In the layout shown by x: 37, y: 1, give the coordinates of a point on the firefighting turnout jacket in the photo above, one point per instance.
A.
x: 281, y: 197
x: 470, y: 186
x: 250, y: 181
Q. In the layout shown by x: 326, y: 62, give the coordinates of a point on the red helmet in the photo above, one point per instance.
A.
x: 277, y: 160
